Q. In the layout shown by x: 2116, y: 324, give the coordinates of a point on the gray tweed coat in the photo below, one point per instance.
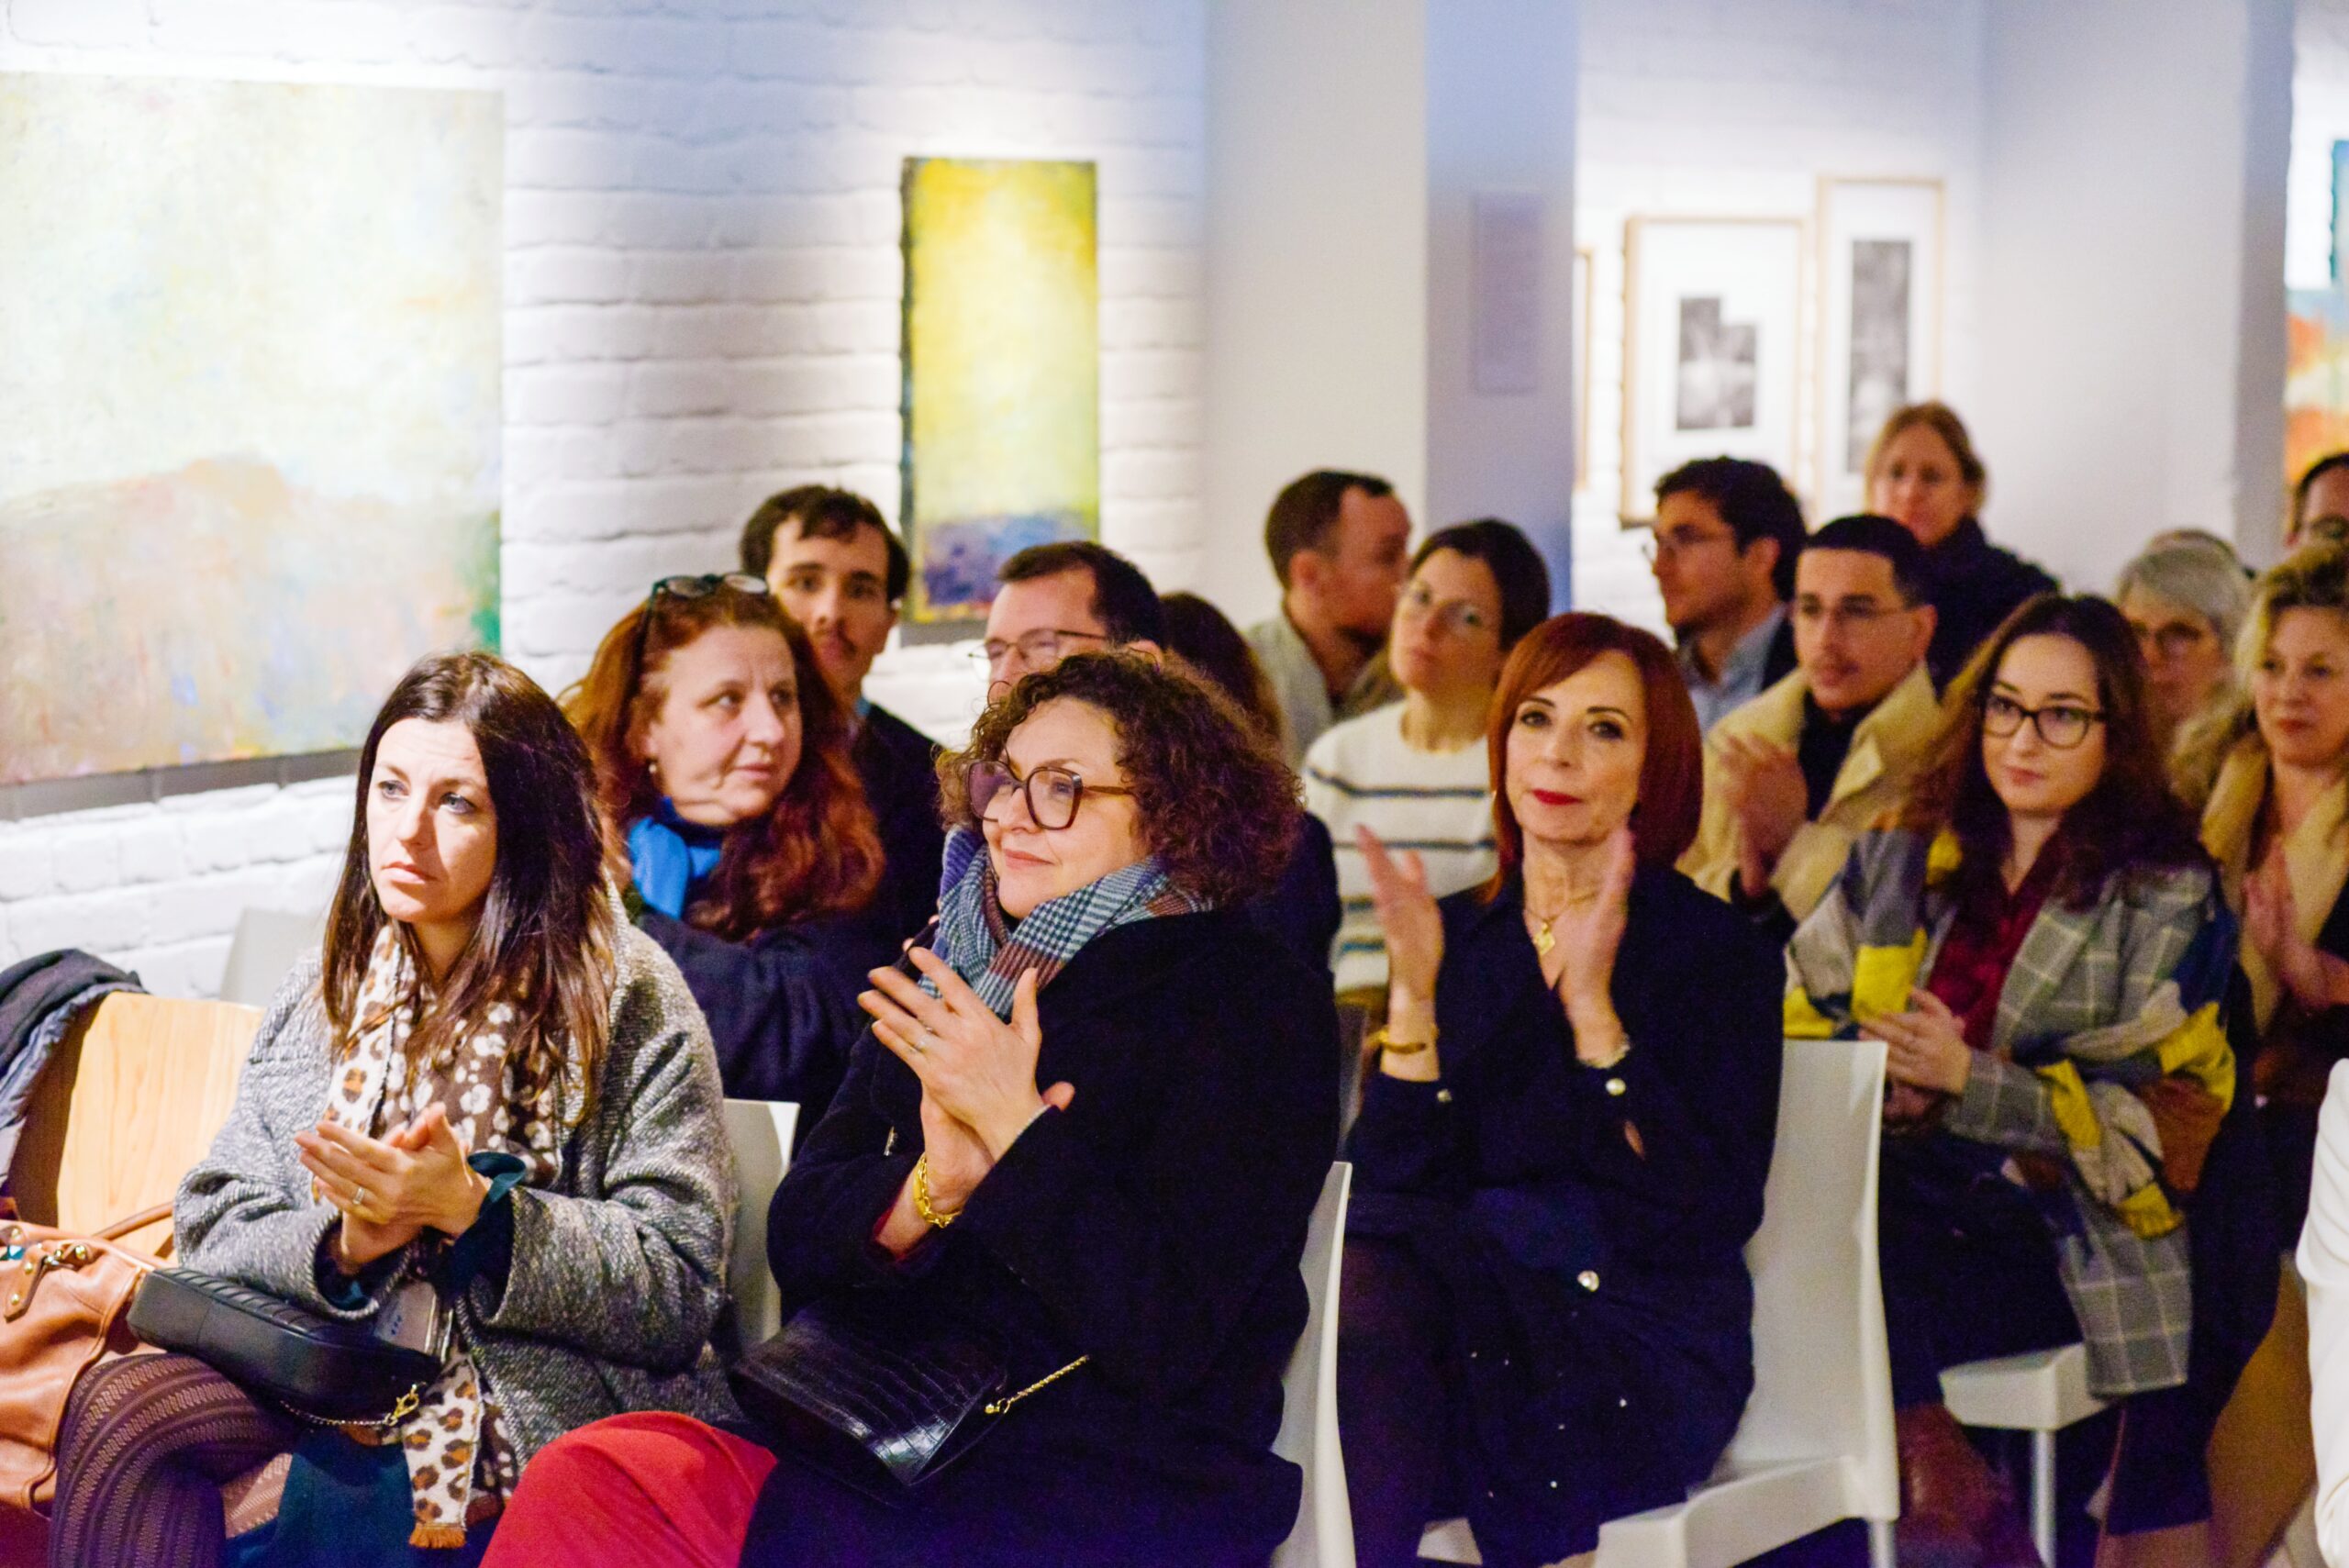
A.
x: 618, y: 1271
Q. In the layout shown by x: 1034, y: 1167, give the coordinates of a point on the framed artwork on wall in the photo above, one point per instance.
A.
x: 250, y: 431
x: 1880, y: 322
x: 1002, y: 375
x: 1712, y: 346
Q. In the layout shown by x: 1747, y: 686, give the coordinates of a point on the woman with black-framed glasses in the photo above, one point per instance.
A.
x: 739, y: 828
x: 2067, y: 1152
x: 1081, y: 1144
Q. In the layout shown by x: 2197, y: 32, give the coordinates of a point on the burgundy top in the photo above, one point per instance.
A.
x: 1971, y: 970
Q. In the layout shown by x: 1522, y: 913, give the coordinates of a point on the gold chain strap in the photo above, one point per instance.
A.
x: 1002, y: 1407
x: 407, y: 1406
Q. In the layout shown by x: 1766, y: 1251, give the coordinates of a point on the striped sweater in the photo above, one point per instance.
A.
x: 1438, y: 803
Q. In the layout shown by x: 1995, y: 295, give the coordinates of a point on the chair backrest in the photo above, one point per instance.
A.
x: 1822, y: 1382
x: 268, y: 944
x: 129, y: 1101
x: 760, y: 1132
x: 1324, y: 1536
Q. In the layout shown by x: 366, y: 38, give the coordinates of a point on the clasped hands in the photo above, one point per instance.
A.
x: 1925, y: 1055
x: 977, y: 1072
x: 2271, y: 920
x: 1764, y: 786
x: 392, y: 1189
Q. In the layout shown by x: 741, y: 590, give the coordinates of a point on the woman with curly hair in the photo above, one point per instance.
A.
x: 738, y: 827
x: 2066, y: 1154
x: 1086, y: 1133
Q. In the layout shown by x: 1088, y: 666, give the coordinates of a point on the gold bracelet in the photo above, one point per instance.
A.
x: 1382, y: 1041
x: 930, y: 1217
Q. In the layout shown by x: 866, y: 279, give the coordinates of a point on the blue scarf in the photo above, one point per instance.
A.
x: 673, y: 858
x: 982, y: 945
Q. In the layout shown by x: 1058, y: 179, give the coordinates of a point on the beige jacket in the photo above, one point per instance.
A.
x: 1886, y: 750
x: 2316, y: 857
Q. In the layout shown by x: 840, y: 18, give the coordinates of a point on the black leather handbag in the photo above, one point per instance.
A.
x: 318, y: 1368
x: 876, y: 1397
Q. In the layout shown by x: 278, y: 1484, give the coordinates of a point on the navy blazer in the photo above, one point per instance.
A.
x: 898, y: 765
x: 1630, y: 1191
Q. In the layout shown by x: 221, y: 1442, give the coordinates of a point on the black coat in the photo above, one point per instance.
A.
x: 781, y: 1004
x: 1972, y: 585
x: 1302, y: 912
x: 898, y: 765
x: 1157, y: 1226
x: 1602, y: 1310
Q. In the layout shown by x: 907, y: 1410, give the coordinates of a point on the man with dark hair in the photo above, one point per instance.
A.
x: 2320, y: 502
x: 833, y: 562
x: 1341, y: 546
x: 1726, y: 534
x: 1796, y: 775
x: 1063, y: 598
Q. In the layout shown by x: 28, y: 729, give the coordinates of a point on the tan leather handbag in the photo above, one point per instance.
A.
x: 63, y: 1299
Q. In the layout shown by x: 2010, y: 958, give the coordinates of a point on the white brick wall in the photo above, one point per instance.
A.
x: 702, y: 292
x: 1710, y: 110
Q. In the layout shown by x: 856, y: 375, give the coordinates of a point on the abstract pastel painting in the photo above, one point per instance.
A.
x: 249, y: 411
x: 1002, y: 372
x: 2316, y: 377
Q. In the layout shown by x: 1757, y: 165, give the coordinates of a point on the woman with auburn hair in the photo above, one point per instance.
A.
x: 738, y: 826
x: 1546, y: 1317
x: 1079, y: 1148
x: 2067, y: 1154
x: 1922, y: 472
x: 485, y: 1087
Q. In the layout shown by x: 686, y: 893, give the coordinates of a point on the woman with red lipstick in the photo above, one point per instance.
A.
x: 738, y: 827
x: 1546, y: 1315
x: 2067, y: 1154
x: 1922, y: 472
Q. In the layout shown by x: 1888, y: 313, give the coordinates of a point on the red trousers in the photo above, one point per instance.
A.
x: 645, y: 1491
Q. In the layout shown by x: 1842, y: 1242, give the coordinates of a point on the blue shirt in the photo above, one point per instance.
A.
x: 1741, y: 678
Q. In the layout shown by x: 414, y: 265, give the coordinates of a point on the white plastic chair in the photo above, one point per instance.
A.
x: 268, y: 944
x: 1816, y: 1444
x: 2039, y: 1392
x: 760, y: 1132
x: 1324, y: 1536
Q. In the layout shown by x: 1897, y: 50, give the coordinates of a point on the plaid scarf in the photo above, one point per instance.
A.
x: 990, y: 953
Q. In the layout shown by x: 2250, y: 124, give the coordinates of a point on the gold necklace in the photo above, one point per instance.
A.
x: 1543, y: 940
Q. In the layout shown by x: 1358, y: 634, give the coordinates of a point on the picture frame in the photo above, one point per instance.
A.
x: 1585, y: 265
x: 1881, y: 254
x: 1713, y: 346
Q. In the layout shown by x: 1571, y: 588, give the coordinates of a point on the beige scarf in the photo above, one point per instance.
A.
x: 460, y: 1462
x: 2316, y: 857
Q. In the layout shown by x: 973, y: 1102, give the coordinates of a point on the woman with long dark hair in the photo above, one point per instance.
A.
x: 485, y: 1085
x: 739, y: 826
x: 1546, y: 1317
x: 2042, y: 947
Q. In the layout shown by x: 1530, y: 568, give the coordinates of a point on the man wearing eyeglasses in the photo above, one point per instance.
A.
x: 1723, y: 555
x: 1794, y: 776
x: 1069, y: 598
x: 831, y: 560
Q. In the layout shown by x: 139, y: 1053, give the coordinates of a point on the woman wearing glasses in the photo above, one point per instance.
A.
x: 2185, y: 599
x: 739, y: 828
x: 1088, y: 1140
x: 1414, y: 772
x: 2042, y: 947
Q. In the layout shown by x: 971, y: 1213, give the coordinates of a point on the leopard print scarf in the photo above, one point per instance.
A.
x: 460, y: 1463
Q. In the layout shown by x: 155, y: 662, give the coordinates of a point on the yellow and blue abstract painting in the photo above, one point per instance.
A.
x: 1002, y: 370
x: 250, y: 366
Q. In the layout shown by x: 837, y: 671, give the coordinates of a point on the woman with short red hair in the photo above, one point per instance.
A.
x: 1546, y: 1312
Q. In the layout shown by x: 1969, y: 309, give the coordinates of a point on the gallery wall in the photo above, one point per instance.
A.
x: 702, y: 298
x: 1693, y: 109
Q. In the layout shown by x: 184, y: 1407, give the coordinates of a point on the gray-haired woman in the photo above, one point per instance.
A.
x: 488, y: 1084
x: 2185, y: 598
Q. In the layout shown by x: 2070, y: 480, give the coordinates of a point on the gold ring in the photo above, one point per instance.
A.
x: 358, y: 1200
